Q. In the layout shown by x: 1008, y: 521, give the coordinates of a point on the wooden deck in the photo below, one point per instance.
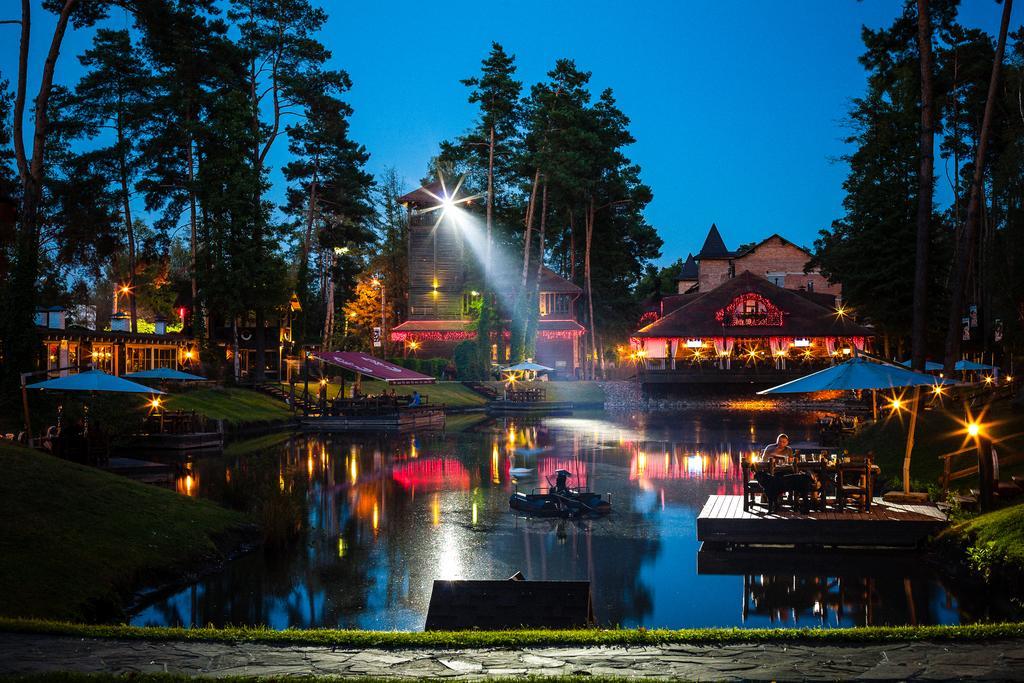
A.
x: 502, y: 407
x: 724, y: 522
x: 398, y: 421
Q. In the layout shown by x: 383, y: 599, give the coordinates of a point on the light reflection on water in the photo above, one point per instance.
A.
x: 383, y: 516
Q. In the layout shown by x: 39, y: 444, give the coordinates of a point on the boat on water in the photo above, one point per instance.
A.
x: 560, y: 500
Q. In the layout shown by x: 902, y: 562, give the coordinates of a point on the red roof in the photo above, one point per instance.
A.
x: 374, y: 367
x: 799, y: 316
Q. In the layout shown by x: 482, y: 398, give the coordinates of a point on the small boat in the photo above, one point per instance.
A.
x: 560, y: 500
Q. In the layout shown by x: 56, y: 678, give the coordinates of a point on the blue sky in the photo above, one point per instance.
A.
x: 738, y: 108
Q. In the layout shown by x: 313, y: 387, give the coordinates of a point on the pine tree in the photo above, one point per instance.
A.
x: 113, y: 96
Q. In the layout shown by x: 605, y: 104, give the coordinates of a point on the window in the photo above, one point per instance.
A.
x: 554, y: 304
x: 102, y: 357
x: 165, y: 357
x: 138, y: 358
x: 777, y: 279
x: 810, y: 285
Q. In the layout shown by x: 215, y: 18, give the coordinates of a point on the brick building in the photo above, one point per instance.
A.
x: 776, y: 259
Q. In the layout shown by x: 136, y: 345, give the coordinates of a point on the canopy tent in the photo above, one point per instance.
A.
x: 929, y: 365
x: 377, y: 368
x: 527, y: 366
x: 94, y: 381
x: 166, y: 374
x: 864, y: 373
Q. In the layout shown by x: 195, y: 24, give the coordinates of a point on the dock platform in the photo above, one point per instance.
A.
x: 393, y: 421
x: 503, y: 407
x: 723, y: 522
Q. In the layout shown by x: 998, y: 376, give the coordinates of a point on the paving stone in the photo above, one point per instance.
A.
x: 992, y: 660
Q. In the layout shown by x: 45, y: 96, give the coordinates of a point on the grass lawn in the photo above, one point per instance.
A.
x: 74, y: 539
x: 574, y: 392
x: 993, y: 539
x: 234, y: 405
x: 521, y: 638
x: 452, y: 394
x: 938, y: 432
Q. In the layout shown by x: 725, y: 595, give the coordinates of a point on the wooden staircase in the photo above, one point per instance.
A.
x: 482, y: 389
x: 306, y: 405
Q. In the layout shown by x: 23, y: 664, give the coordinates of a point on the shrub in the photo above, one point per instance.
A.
x: 467, y: 361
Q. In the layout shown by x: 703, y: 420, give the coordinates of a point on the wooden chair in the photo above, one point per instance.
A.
x: 854, y: 481
x: 753, y: 492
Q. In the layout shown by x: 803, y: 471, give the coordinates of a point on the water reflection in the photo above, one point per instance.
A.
x: 358, y: 527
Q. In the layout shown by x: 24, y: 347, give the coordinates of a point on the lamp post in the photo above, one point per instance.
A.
x: 378, y: 281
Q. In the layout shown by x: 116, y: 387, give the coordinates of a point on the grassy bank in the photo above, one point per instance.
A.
x: 938, y: 432
x: 75, y: 540
x: 451, y: 394
x: 991, y: 544
x: 574, y: 392
x: 234, y: 405
x: 521, y: 638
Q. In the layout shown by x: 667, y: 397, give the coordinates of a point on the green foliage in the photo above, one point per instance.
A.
x: 434, y: 367
x: 993, y: 540
x: 467, y: 361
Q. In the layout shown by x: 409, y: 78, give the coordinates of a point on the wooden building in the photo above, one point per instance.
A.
x: 746, y: 329
x: 444, y: 287
x: 67, y: 349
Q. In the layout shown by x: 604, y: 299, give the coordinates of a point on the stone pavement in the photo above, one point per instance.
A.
x: 985, y: 660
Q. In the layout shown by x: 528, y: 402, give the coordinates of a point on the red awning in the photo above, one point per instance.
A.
x: 374, y: 367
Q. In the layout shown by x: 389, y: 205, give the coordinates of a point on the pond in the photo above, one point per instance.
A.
x: 379, y: 517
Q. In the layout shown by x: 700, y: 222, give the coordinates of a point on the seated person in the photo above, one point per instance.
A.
x: 779, y: 452
x: 415, y: 400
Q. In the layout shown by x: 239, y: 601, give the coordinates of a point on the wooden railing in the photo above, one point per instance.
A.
x: 950, y: 475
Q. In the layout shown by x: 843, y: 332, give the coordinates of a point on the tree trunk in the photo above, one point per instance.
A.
x: 236, y: 366
x: 590, y: 291
x: 128, y: 225
x: 310, y: 214
x: 198, y: 321
x: 967, y: 242
x: 924, y: 190
x: 490, y: 212
x: 329, y: 310
x: 529, y: 228
x: 260, y: 339
x: 31, y: 172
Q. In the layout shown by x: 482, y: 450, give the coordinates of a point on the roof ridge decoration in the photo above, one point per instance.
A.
x: 750, y: 309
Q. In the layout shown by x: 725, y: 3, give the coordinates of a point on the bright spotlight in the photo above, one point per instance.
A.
x: 973, y: 429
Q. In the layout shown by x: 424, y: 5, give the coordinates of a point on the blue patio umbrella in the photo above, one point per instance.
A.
x: 971, y: 366
x: 864, y: 373
x: 166, y: 374
x: 929, y: 365
x: 855, y: 374
x: 90, y: 382
x: 95, y: 381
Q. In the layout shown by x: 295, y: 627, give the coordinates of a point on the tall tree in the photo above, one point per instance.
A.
x: 285, y: 62
x: 967, y: 242
x: 112, y: 96
x: 329, y: 192
x: 20, y: 296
